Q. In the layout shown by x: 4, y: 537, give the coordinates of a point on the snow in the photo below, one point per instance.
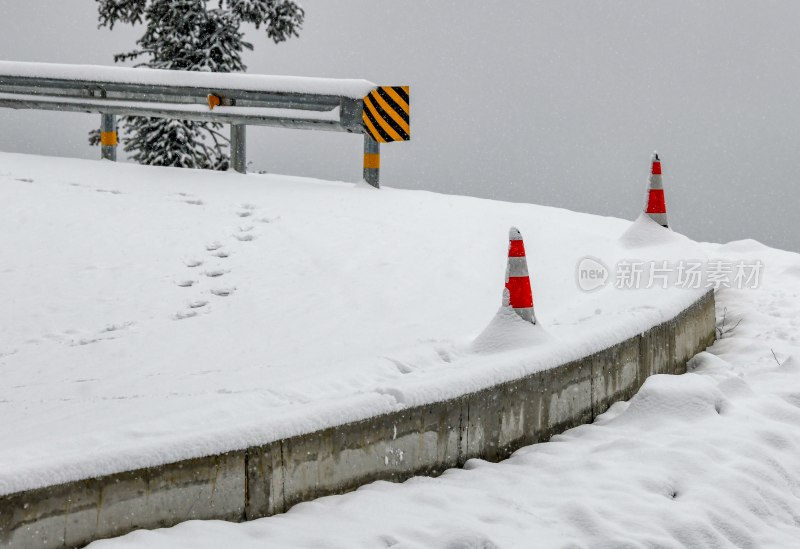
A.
x: 155, y: 314
x: 645, y: 232
x: 353, y: 88
x: 706, y: 459
x: 508, y: 331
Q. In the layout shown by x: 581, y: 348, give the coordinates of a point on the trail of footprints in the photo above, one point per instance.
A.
x: 215, y: 272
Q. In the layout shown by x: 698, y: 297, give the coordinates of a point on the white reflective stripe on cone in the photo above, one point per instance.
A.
x: 527, y: 314
x: 661, y: 219
x: 656, y: 182
x: 517, y: 266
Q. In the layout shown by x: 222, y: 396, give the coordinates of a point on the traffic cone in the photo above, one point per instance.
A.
x: 656, y: 206
x: 518, y: 294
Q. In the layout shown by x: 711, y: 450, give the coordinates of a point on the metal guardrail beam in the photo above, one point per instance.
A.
x: 236, y: 99
x: 172, y: 94
x: 199, y: 113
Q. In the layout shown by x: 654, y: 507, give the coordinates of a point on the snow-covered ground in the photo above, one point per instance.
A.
x: 151, y: 315
x: 707, y: 459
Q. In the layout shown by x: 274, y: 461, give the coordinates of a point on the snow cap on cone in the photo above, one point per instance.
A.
x: 656, y: 205
x: 517, y: 293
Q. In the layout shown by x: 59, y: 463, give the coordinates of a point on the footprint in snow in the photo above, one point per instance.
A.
x: 198, y: 303
x: 245, y: 228
x: 25, y: 179
x: 184, y: 314
x: 186, y: 283
x: 194, y: 201
x: 223, y: 292
x: 245, y: 237
x: 108, y: 191
x: 268, y: 219
x: 401, y: 366
x: 213, y: 273
x: 118, y: 327
x: 222, y: 254
x: 211, y: 246
x: 444, y: 354
x: 244, y: 213
x: 86, y: 341
x: 192, y: 263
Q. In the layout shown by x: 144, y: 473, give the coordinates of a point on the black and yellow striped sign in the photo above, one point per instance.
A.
x: 386, y: 114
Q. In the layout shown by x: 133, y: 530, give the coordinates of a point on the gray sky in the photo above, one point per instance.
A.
x: 558, y: 103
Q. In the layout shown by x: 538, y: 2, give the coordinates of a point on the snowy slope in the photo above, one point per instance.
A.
x: 707, y: 459
x: 151, y: 315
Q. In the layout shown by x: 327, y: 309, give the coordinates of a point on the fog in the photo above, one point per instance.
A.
x: 558, y: 103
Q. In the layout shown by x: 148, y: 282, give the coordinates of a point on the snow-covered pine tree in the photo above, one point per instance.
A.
x: 192, y: 35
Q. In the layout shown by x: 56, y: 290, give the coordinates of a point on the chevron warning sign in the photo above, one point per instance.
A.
x: 386, y: 114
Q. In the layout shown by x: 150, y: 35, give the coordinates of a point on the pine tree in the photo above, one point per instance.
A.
x: 190, y: 35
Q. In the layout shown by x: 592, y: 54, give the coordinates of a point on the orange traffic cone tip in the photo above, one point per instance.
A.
x: 656, y: 167
x: 517, y: 293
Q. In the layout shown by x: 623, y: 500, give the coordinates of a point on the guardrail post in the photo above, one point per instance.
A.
x: 372, y: 161
x: 239, y: 147
x: 108, y: 137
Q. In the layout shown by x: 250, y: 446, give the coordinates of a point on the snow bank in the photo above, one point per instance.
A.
x: 153, y: 315
x: 208, y: 81
x: 508, y: 331
x: 707, y: 459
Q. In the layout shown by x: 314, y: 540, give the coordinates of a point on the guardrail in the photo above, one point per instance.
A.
x: 380, y: 113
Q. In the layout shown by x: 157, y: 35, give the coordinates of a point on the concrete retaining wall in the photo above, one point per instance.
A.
x: 426, y: 440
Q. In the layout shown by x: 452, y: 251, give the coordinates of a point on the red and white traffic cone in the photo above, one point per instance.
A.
x: 518, y: 283
x: 656, y: 205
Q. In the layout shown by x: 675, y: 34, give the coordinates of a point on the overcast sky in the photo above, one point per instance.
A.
x: 557, y: 102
